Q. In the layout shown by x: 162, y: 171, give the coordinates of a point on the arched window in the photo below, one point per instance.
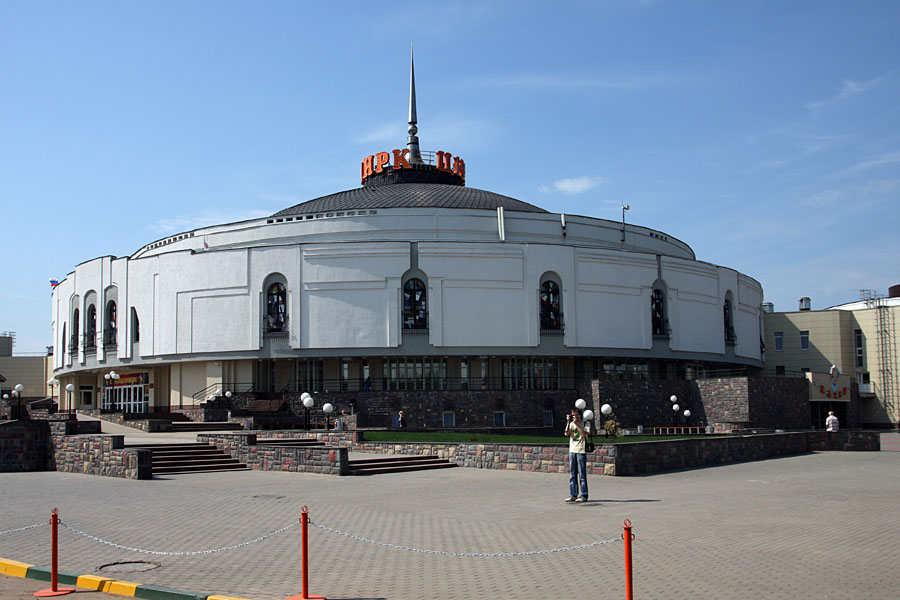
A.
x: 415, y: 306
x: 135, y: 326
x: 73, y: 342
x: 276, y: 308
x: 551, y: 316
x: 110, y: 330
x: 728, y: 315
x: 90, y: 334
x: 658, y: 319
x: 63, y: 349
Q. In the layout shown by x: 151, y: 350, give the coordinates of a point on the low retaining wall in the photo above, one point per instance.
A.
x: 100, y: 455
x: 634, y: 458
x: 852, y: 441
x: 254, y: 452
x: 24, y: 446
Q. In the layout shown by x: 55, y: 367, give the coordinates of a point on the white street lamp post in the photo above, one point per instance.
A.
x: 69, y: 389
x: 111, y: 378
x: 17, y: 394
x: 328, y: 408
x: 308, y: 403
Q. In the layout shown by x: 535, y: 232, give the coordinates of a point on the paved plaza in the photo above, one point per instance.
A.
x: 821, y: 525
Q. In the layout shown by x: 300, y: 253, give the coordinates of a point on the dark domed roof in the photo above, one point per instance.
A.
x: 410, y: 195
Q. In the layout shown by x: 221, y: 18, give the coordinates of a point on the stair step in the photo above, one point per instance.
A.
x: 193, y: 461
x: 301, y: 443
x: 401, y: 468
x: 199, y: 469
x: 394, y: 459
x: 180, y: 446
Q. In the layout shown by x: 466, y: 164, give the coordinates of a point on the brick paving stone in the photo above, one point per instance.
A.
x: 820, y: 525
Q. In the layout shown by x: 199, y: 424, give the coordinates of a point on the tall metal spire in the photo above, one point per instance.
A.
x: 412, y: 142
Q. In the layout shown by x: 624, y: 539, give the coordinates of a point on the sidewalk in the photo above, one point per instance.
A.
x: 811, y: 526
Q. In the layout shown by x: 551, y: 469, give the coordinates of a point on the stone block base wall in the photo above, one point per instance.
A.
x: 24, y: 446
x: 329, y: 460
x: 100, y: 455
x: 849, y: 441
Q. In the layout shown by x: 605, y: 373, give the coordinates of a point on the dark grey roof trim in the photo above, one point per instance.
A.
x: 410, y: 195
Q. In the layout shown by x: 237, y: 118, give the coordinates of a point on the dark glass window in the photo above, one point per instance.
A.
x: 276, y: 308
x: 859, y: 347
x: 779, y: 340
x: 111, y: 316
x: 658, y: 312
x: 728, y: 315
x: 73, y: 344
x: 135, y: 326
x: 551, y: 318
x: 415, y: 306
x: 90, y: 339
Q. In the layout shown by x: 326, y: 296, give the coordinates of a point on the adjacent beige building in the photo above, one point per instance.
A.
x: 32, y: 372
x: 858, y: 338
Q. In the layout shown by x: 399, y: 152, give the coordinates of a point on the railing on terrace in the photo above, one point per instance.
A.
x: 432, y: 384
x: 236, y: 389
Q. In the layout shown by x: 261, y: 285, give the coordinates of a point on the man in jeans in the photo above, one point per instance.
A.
x: 577, y: 434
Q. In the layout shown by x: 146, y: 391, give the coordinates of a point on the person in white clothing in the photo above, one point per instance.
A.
x: 831, y: 423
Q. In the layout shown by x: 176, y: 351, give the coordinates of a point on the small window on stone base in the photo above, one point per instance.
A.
x: 449, y: 419
x: 548, y: 418
x: 499, y: 418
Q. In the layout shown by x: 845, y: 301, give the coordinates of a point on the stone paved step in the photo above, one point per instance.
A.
x: 170, y: 459
x: 398, y: 464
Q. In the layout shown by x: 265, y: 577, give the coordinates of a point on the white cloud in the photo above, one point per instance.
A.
x: 572, y: 185
x: 388, y: 133
x: 889, y: 158
x: 848, y: 88
x: 188, y: 222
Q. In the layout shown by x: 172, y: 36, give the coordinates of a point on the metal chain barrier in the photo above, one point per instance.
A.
x: 194, y: 553
x: 330, y: 530
x: 24, y: 528
x: 468, y: 554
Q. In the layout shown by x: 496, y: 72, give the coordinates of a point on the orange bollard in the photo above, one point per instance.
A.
x: 628, y: 536
x: 54, y: 589
x: 304, y: 562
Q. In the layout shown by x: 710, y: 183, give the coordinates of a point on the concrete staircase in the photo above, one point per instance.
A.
x: 398, y: 464
x: 171, y: 459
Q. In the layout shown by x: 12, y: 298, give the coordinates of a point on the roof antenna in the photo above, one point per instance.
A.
x: 412, y: 142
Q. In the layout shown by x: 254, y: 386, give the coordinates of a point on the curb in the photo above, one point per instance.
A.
x: 104, y: 584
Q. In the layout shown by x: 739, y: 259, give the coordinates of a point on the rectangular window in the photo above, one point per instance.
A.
x: 779, y: 369
x: 449, y: 419
x: 858, y: 337
x: 548, y: 418
x: 804, y: 340
x: 779, y: 341
x: 499, y: 418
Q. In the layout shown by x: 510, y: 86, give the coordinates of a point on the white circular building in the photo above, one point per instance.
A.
x: 411, y: 282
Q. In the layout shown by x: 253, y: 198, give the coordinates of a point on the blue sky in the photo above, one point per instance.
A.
x: 765, y: 134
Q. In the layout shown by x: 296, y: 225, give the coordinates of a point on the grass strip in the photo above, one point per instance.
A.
x: 428, y: 437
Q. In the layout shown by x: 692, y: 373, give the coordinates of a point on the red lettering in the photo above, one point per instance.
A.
x: 400, y: 161
x: 459, y: 167
x: 443, y: 162
x: 382, y: 159
x: 366, y: 167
